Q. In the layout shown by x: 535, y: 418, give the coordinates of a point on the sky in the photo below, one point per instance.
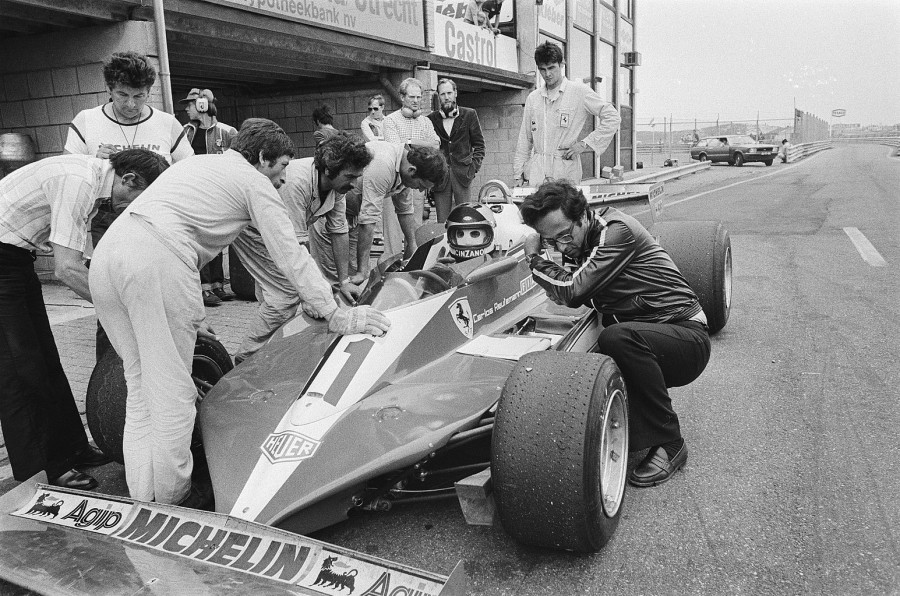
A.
x: 730, y: 59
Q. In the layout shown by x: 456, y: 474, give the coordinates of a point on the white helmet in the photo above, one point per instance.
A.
x: 470, y: 230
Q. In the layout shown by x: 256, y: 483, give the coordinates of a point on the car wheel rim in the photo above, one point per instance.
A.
x: 205, y: 373
x: 614, y: 453
x: 727, y: 279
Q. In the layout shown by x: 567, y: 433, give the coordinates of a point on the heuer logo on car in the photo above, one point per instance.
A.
x: 288, y: 446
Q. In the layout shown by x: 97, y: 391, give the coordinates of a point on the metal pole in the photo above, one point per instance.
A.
x: 165, y: 79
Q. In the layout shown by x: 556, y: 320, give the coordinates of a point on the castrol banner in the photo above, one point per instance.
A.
x: 454, y: 38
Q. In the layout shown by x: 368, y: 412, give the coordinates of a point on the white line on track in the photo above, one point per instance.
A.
x: 780, y: 170
x: 868, y: 252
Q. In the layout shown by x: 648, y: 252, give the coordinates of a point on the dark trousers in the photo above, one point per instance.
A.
x: 653, y: 357
x: 449, y: 195
x: 212, y: 275
x: 40, y: 420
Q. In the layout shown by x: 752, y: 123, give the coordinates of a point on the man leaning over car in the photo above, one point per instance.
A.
x: 654, y: 327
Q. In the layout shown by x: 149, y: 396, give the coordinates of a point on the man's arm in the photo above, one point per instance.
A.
x: 181, y: 146
x: 476, y: 139
x: 364, y: 237
x: 524, y: 144
x: 70, y: 269
x: 600, y: 268
x: 599, y: 139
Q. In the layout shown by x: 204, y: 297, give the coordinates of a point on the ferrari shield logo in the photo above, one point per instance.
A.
x: 288, y: 446
x: 461, y: 314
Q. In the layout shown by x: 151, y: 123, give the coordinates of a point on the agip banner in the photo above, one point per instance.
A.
x: 396, y: 21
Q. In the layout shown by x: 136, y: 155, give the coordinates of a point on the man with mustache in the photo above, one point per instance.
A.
x: 462, y: 144
x: 654, y: 326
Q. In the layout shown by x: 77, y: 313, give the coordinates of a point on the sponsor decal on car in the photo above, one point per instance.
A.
x: 525, y: 286
x: 215, y: 539
x: 288, y: 446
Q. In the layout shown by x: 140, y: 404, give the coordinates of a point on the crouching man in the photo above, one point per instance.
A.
x: 145, y: 279
x: 655, y: 329
x: 44, y: 205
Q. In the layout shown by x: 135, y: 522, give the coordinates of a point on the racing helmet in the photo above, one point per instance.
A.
x: 470, y: 230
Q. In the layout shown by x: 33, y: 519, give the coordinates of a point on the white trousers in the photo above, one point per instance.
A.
x: 149, y: 302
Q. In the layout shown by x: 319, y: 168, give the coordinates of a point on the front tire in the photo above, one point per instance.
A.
x: 559, y: 451
x: 738, y: 159
x: 702, y: 252
x: 768, y: 162
x: 107, y: 392
x: 703, y: 157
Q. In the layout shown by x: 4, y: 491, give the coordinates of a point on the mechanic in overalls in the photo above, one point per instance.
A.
x: 554, y: 116
x: 654, y: 326
x: 145, y: 281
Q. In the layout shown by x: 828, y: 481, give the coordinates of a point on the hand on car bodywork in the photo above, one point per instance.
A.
x: 359, y: 319
x: 350, y: 291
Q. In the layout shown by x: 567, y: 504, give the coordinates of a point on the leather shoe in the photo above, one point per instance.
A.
x: 199, y: 497
x: 223, y: 294
x: 74, y: 479
x: 210, y: 299
x: 657, y: 467
x: 89, y: 457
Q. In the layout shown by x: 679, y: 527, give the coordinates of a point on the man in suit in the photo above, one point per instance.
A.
x: 462, y: 143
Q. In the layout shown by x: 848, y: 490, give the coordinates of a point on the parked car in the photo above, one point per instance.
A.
x: 735, y: 149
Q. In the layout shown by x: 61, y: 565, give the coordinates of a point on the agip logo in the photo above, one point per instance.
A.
x: 288, y: 446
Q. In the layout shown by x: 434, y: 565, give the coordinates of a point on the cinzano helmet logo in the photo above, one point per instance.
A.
x: 288, y: 446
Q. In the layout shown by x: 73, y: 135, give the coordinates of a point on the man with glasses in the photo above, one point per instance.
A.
x: 654, y: 327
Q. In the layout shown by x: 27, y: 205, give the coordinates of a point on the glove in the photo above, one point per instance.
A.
x: 359, y: 319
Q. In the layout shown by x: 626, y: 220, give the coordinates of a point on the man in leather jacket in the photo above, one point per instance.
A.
x: 655, y: 328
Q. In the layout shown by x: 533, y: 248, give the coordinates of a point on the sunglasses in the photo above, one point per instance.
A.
x: 562, y: 239
x: 375, y: 109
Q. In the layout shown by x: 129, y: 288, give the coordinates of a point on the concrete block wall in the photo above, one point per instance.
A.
x: 500, y: 114
x: 46, y: 79
x: 294, y: 112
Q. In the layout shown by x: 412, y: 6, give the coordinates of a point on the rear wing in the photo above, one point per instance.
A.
x: 641, y: 200
x: 62, y: 541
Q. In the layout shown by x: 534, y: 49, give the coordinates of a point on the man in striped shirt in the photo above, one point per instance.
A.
x: 49, y: 205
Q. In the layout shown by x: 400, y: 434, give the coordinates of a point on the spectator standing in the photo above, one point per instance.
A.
x: 394, y: 172
x: 145, y: 283
x: 409, y: 126
x: 783, y: 151
x: 554, y: 116
x: 462, y: 144
x: 313, y: 192
x: 43, y: 205
x: 207, y: 136
x: 324, y: 123
x: 373, y: 124
x: 126, y: 122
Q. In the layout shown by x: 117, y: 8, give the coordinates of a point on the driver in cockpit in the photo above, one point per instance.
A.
x: 476, y: 229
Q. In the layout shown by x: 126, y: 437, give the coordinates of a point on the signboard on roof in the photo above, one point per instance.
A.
x: 396, y: 21
x: 454, y: 38
x: 552, y: 18
x: 839, y: 113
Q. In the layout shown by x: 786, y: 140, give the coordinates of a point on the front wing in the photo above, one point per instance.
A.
x: 62, y: 541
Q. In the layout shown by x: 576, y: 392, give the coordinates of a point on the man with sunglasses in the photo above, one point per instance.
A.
x: 654, y: 327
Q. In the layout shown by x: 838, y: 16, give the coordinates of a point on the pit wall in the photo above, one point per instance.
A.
x: 46, y: 79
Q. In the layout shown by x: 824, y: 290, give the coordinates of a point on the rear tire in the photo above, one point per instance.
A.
x: 702, y: 252
x: 107, y: 392
x: 559, y: 451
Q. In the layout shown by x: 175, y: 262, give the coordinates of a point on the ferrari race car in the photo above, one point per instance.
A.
x: 482, y: 389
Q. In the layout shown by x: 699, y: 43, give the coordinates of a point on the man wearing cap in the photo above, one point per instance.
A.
x: 208, y: 136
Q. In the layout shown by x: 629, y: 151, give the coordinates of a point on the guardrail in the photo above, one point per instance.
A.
x: 889, y: 141
x: 672, y: 173
x: 804, y: 149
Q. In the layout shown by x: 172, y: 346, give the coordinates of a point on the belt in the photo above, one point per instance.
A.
x: 17, y: 251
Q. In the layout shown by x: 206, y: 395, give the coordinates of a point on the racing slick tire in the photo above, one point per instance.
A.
x: 559, y: 450
x: 702, y: 252
x: 241, y: 281
x: 106, y: 392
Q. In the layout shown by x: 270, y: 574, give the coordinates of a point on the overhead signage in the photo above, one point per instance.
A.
x: 397, y: 21
x: 459, y: 40
x: 552, y: 18
x: 838, y: 113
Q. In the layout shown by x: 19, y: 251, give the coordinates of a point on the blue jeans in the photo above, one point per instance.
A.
x: 40, y: 420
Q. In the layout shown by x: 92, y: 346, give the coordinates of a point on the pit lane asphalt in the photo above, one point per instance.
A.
x: 791, y: 485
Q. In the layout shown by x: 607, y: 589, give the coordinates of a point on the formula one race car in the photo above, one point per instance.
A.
x: 483, y: 389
